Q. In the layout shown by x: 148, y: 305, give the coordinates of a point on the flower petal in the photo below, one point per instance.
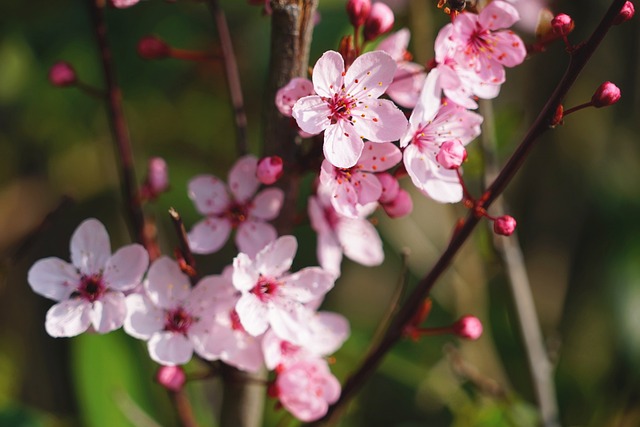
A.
x: 170, y: 348
x: 406, y: 85
x: 288, y: 320
x: 253, y: 314
x: 328, y: 332
x: 166, y: 285
x: 90, y: 247
x: 329, y: 253
x: 367, y: 187
x: 143, y: 318
x: 327, y: 74
x: 276, y: 258
x: 108, y: 313
x: 245, y: 275
x: 243, y: 181
x: 360, y: 241
x: 396, y: 44
x: 342, y: 144
x: 307, y: 284
x: 369, y: 75
x: 252, y: 236
x: 209, y: 235
x: 125, y: 269
x: 379, y: 120
x: 53, y: 278
x: 378, y: 157
x: 497, y: 15
x: 267, y: 204
x: 209, y: 194
x: 312, y: 113
x: 68, y: 318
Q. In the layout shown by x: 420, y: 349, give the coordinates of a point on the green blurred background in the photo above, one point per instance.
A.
x: 577, y: 202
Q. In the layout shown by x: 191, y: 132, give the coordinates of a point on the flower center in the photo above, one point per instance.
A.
x: 91, y: 287
x: 178, y: 320
x: 480, y: 42
x: 265, y: 289
x: 340, y: 106
x: 237, y: 213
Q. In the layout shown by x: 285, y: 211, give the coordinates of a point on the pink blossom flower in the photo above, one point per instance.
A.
x: 288, y: 95
x: 358, y: 185
x: 273, y: 297
x: 430, y: 125
x: 483, y: 47
x: 90, y: 290
x: 409, y: 76
x: 390, y: 187
x: 307, y: 388
x: 270, y: 169
x: 241, y: 211
x: 606, y: 94
x: 171, y: 316
x: 325, y: 334
x: 121, y: 4
x: 504, y: 225
x: 356, y: 238
x: 346, y: 107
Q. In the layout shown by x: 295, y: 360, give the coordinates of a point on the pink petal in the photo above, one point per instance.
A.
x: 53, y: 278
x: 267, y: 204
x: 209, y: 194
x: 440, y: 184
x: 307, y: 284
x: 125, y: 269
x: 498, y: 14
x: 252, y: 236
x: 253, y: 314
x: 312, y: 114
x: 367, y: 187
x: 342, y: 144
x: 108, y: 313
x: 245, y: 275
x: 430, y: 99
x: 276, y: 258
x: 369, y: 75
x: 360, y: 241
x: 209, y: 235
x: 329, y: 253
x: 379, y: 121
x: 406, y: 85
x: 327, y: 74
x: 344, y: 199
x: 328, y: 331
x: 90, y: 247
x: 68, y: 318
x: 288, y: 320
x: 396, y: 44
x: 166, y: 285
x: 509, y: 49
x: 444, y: 190
x: 287, y: 96
x: 211, y: 294
x: 170, y: 348
x: 143, y: 318
x: 235, y: 348
x: 316, y: 216
x: 243, y: 182
x: 379, y: 157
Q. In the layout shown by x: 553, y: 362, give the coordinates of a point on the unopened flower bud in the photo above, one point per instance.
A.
x: 625, y: 13
x: 358, y: 11
x: 269, y: 170
x: 607, y: 94
x: 379, y: 21
x: 171, y: 377
x: 158, y: 177
x: 451, y: 154
x: 469, y: 327
x: 152, y: 47
x: 562, y: 24
x: 390, y: 187
x: 62, y: 74
x: 504, y: 225
x: 401, y: 206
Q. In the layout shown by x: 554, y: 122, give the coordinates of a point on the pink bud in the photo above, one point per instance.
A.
x: 625, y: 14
x: 171, y: 377
x: 562, y: 24
x: 607, y: 94
x: 62, y: 74
x: 152, y: 47
x: 451, y: 154
x: 121, y: 4
x: 401, y: 206
x: 469, y: 327
x: 358, y: 11
x: 158, y: 176
x: 269, y: 170
x: 504, y: 225
x: 379, y: 21
x: 390, y: 187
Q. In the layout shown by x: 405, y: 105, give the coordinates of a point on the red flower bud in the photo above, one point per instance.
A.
x: 401, y: 206
x: 504, y: 225
x: 358, y: 11
x: 625, y: 14
x: 390, y: 187
x: 62, y: 74
x: 171, y: 377
x: 607, y: 94
x: 451, y: 154
x: 469, y: 327
x: 379, y: 21
x: 269, y: 170
x: 562, y: 24
x: 152, y: 47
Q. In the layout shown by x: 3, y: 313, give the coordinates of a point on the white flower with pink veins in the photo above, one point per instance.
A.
x: 431, y: 124
x: 240, y: 210
x: 90, y: 290
x: 347, y: 107
x: 272, y: 297
x: 170, y: 315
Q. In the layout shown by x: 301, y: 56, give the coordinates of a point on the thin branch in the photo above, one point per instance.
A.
x: 233, y: 76
x: 579, y: 59
x: 185, y: 251
x: 120, y: 130
x: 182, y: 404
x: 540, y: 367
